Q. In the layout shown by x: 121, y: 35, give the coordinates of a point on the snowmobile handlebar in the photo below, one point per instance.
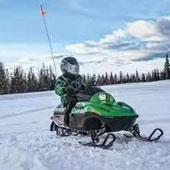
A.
x: 85, y: 93
x: 86, y: 97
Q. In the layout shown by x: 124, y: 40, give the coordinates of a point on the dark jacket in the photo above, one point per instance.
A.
x: 64, y: 87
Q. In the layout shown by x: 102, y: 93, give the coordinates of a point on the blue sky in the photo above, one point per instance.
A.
x: 70, y: 22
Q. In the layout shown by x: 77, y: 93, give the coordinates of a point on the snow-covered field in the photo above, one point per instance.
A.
x: 27, y: 144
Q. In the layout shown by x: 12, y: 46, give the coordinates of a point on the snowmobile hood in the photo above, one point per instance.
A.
x: 117, y: 109
x: 104, y: 105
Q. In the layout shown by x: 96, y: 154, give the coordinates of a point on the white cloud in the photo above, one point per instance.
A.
x: 25, y: 55
x: 142, y: 29
x: 144, y: 41
x: 115, y: 37
x: 139, y: 39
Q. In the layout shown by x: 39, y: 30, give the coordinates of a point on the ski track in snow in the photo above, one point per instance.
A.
x: 27, y: 144
x: 26, y: 112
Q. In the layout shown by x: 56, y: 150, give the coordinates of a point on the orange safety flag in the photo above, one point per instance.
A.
x: 43, y: 13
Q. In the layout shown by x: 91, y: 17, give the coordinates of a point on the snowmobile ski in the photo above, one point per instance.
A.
x: 105, y: 144
x: 135, y: 131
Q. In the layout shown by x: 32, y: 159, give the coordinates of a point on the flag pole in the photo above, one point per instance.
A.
x: 48, y: 37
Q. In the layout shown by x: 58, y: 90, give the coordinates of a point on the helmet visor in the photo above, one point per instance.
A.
x: 73, y: 69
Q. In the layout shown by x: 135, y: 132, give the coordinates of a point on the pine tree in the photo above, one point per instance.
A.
x: 106, y: 79
x: 115, y: 79
x: 18, y: 81
x: 167, y: 67
x: 148, y: 77
x: 32, y: 82
x: 93, y: 80
x: 90, y: 80
x: 153, y: 75
x: 137, y: 78
x: 111, y: 79
x: 100, y: 80
x: 157, y: 74
x: 133, y: 78
x: 4, y: 80
x: 127, y: 78
x: 44, y: 79
x: 120, y: 77
x: 162, y: 75
x: 143, y: 79
x: 52, y: 78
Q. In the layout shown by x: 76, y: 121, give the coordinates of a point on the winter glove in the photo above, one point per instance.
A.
x: 69, y: 91
x: 78, y: 84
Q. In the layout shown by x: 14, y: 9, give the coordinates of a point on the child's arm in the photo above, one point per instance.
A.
x: 60, y: 87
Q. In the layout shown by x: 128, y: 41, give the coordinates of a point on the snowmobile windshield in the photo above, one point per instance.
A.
x: 88, y: 92
x: 103, y: 97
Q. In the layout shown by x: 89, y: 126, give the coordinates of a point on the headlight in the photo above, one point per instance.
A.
x: 102, y: 97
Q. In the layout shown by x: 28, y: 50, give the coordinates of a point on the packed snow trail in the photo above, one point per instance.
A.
x: 26, y: 142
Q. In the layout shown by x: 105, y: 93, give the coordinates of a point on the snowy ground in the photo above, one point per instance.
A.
x: 27, y: 144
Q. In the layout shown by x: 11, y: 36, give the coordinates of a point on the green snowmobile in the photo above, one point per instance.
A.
x: 97, y: 113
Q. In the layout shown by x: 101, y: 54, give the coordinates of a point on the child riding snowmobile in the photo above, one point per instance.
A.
x: 69, y: 83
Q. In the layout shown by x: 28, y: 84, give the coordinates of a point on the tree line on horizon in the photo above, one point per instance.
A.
x: 19, y: 81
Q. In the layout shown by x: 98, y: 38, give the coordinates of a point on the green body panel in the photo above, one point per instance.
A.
x: 104, y: 105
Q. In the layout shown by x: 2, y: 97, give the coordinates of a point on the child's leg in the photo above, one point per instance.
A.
x: 72, y: 103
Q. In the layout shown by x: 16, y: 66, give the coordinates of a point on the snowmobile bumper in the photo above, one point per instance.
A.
x: 120, y: 123
x: 89, y: 121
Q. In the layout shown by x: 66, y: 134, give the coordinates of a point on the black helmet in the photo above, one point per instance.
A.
x: 70, y: 65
